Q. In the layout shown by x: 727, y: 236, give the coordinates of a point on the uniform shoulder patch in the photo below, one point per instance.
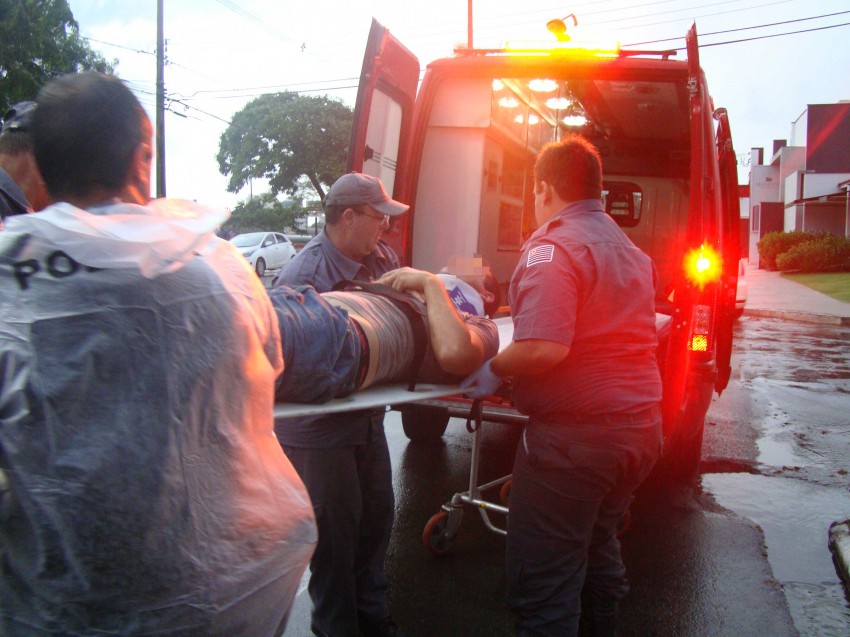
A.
x: 541, y: 254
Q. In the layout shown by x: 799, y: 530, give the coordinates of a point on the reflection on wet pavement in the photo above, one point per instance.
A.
x: 795, y: 517
x: 798, y: 376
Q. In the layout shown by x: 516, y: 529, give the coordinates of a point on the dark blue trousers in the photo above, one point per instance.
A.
x: 352, y: 495
x: 571, y: 485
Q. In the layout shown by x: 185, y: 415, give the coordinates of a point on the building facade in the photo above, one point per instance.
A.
x: 806, y: 183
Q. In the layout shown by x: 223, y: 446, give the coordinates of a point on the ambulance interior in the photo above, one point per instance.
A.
x: 478, y: 155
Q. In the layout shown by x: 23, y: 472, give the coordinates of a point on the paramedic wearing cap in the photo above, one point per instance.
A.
x: 584, y: 369
x: 22, y: 189
x: 343, y: 458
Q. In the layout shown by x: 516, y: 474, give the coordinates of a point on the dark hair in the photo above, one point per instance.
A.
x: 572, y: 167
x: 85, y: 131
x: 492, y: 286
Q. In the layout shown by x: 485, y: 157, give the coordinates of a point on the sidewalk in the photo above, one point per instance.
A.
x: 772, y: 295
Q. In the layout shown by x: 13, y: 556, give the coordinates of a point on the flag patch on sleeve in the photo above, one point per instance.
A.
x: 540, y: 254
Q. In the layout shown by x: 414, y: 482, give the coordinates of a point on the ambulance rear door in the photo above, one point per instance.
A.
x: 383, y: 119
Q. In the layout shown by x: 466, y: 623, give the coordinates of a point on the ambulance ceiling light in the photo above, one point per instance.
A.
x: 542, y: 86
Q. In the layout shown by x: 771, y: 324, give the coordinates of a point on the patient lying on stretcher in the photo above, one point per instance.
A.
x: 336, y: 343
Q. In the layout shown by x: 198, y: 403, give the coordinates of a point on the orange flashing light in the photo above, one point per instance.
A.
x: 703, y: 265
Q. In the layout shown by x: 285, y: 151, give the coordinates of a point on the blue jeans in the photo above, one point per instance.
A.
x: 321, y: 349
x: 571, y: 486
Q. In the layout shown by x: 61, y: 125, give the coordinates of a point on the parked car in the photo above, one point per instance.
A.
x: 264, y: 250
x: 741, y: 290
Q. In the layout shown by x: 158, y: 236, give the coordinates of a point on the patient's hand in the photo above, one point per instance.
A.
x: 410, y: 280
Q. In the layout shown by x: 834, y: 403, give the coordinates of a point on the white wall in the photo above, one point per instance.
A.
x: 817, y: 184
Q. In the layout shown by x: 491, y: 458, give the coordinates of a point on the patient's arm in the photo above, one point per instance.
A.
x: 458, y: 350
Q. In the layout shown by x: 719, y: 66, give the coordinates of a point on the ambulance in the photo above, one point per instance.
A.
x: 460, y: 146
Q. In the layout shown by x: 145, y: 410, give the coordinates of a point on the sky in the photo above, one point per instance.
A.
x: 221, y: 54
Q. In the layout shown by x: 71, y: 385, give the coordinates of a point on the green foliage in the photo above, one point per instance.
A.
x: 828, y: 253
x: 283, y: 137
x: 264, y: 213
x: 773, y: 244
x: 40, y: 40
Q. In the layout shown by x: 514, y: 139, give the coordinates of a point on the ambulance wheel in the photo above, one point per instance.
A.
x: 424, y: 424
x: 261, y: 267
x: 435, y: 537
x: 505, y: 493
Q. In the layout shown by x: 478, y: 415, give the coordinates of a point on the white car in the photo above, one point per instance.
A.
x: 264, y: 250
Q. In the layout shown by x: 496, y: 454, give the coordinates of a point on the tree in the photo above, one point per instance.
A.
x: 40, y: 40
x: 283, y: 137
x: 265, y: 212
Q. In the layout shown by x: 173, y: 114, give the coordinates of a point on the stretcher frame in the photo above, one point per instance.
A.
x: 443, y: 528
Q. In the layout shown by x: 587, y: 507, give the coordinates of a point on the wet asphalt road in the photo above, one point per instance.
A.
x: 698, y: 558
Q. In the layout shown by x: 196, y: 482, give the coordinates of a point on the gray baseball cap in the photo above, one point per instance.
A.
x: 355, y: 189
x: 19, y: 117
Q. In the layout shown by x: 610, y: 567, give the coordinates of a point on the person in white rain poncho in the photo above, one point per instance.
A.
x: 143, y: 490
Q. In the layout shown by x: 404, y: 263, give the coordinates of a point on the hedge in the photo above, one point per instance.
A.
x: 773, y: 244
x: 829, y: 253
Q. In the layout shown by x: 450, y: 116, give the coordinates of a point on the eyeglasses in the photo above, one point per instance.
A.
x: 381, y: 218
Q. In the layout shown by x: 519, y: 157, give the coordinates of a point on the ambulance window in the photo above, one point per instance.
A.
x: 382, y: 139
x: 623, y: 202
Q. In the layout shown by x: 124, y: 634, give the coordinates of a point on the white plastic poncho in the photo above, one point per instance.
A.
x: 144, y: 490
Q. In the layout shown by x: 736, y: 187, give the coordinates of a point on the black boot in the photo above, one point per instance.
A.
x: 598, y: 616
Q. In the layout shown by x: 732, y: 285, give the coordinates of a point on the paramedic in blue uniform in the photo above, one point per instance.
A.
x: 343, y: 458
x: 584, y: 371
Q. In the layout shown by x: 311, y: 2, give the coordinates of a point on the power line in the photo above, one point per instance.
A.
x: 775, y: 35
x: 119, y: 46
x: 758, y: 26
x: 253, y: 18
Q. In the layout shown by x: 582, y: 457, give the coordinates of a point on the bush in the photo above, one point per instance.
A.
x: 829, y: 253
x: 773, y: 244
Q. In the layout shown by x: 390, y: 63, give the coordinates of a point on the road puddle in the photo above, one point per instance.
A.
x: 795, y: 517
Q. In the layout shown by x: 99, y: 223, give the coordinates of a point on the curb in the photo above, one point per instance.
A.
x: 839, y: 544
x: 799, y: 317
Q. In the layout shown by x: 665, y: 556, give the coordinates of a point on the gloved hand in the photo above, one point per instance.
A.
x: 482, y: 382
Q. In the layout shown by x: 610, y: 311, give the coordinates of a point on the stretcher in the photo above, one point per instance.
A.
x: 441, y: 530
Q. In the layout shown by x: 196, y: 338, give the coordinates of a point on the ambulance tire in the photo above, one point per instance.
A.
x: 680, y: 460
x: 423, y: 424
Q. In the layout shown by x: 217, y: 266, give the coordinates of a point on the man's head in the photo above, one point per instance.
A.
x: 16, y: 154
x: 91, y: 139
x: 477, y: 274
x: 566, y: 171
x: 357, y: 212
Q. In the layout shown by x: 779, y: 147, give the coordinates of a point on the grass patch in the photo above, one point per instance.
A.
x: 835, y: 284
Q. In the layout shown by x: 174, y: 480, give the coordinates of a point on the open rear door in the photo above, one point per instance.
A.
x: 730, y: 242
x: 383, y: 113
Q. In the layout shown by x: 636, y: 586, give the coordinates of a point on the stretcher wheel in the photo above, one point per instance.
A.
x: 505, y: 493
x: 435, y: 537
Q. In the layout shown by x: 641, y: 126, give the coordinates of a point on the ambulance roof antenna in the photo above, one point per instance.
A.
x: 559, y: 28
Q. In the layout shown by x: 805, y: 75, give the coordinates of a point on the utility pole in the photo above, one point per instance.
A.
x: 160, y: 103
x: 469, y: 24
